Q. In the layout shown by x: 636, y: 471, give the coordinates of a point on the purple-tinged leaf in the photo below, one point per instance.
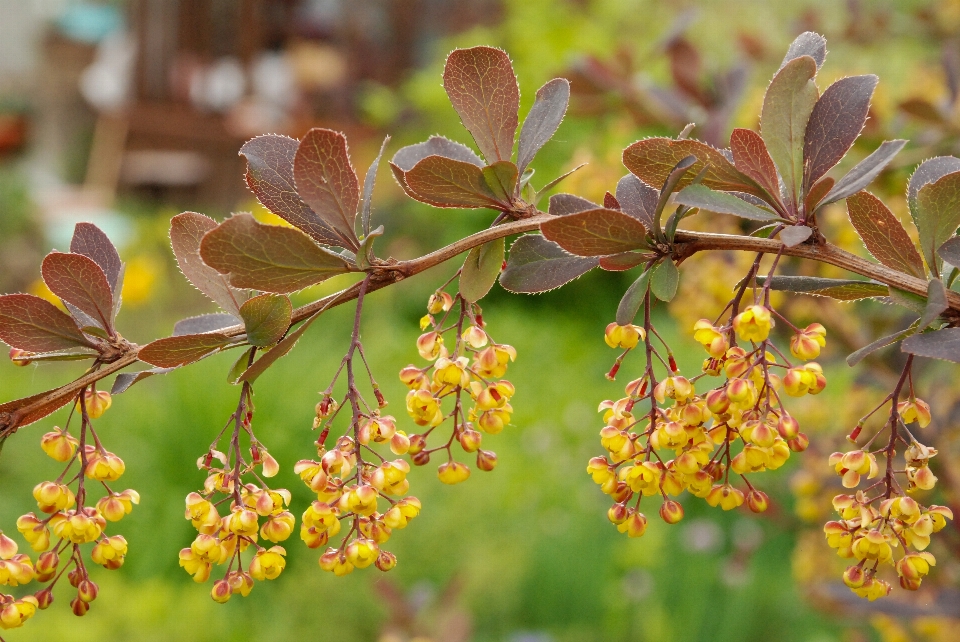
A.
x: 858, y: 356
x: 76, y: 354
x: 950, y: 251
x: 90, y: 241
x: 483, y: 90
x: 563, y: 204
x: 664, y: 279
x: 835, y: 123
x: 624, y: 261
x: 637, y: 199
x: 326, y: 181
x: 173, y: 352
x: 795, y: 235
x: 936, y: 303
x: 722, y: 203
x: 537, y: 265
x: 126, y: 379
x: 281, y: 349
x: 652, y: 160
x: 30, y: 323
x: 481, y: 269
x: 37, y: 413
x: 78, y: 280
x: 883, y: 234
x: 938, y: 215
x: 543, y: 120
x: 368, y: 182
x: 407, y: 157
x: 817, y: 193
x: 840, y: 289
x: 204, y: 323
x: 913, y: 302
x: 444, y: 182
x: 929, y: 171
x: 810, y: 44
x: 501, y: 178
x: 865, y: 171
x: 940, y: 344
x: 270, y: 177
x: 268, y: 257
x: 610, y: 201
x: 924, y: 110
x: 632, y: 299
x: 266, y: 318
x: 546, y: 188
x: 750, y: 156
x: 595, y: 232
x: 186, y: 233
x: 787, y: 105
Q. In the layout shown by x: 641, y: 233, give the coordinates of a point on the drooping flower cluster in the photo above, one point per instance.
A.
x: 693, y: 442
x: 882, y: 524
x: 255, y: 511
x: 472, y: 368
x: 67, y: 520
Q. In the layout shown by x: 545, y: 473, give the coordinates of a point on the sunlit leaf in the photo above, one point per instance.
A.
x: 501, y: 178
x: 268, y: 257
x: 33, y: 324
x: 78, y: 280
x: 90, y: 241
x: 883, y: 234
x: 266, y: 318
x: 326, y: 181
x: 368, y: 182
x: 835, y: 122
x: 281, y: 349
x: 938, y: 214
x: 795, y: 235
x: 481, y: 269
x: 204, y: 323
x: 38, y: 413
x: 563, y: 204
x: 483, y: 89
x: 653, y: 159
x: 940, y: 344
x: 445, y: 182
x: 840, y: 289
x: 126, y: 379
x: 632, y: 299
x: 722, y: 203
x: 186, y: 233
x: 624, y: 261
x: 538, y: 265
x: 810, y: 44
x: 172, y: 352
x: 595, y: 232
x: 637, y: 199
x: 929, y: 171
x: 664, y: 279
x: 751, y: 157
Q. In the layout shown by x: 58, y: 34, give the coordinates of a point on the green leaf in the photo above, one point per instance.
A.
x: 722, y: 203
x: 327, y: 182
x: 632, y: 299
x: 240, y: 366
x: 883, y: 234
x: 78, y: 280
x: 78, y: 354
x: 865, y: 171
x: 909, y: 300
x: 938, y: 215
x: 483, y: 89
x: 595, y: 232
x: 936, y: 303
x: 787, y: 105
x: 481, y: 269
x: 364, y: 255
x: 840, y: 289
x: 268, y: 257
x: 270, y: 356
x: 186, y: 232
x: 368, y: 182
x: 173, y: 352
x: 537, y: 265
x: 858, y: 356
x: 270, y: 177
x: 501, y: 178
x: 266, y: 318
x: 30, y: 323
x: 445, y: 182
x: 835, y: 123
x: 653, y: 159
x: 543, y: 120
x: 664, y: 280
x: 929, y: 171
x: 940, y: 344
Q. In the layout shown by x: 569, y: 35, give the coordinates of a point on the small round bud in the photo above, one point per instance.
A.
x: 788, y: 427
x: 470, y: 440
x: 18, y: 357
x: 671, y: 511
x: 757, y: 501
x: 854, y: 577
x: 386, y: 561
x: 95, y: 402
x: 617, y: 514
x: 44, y: 598
x: 88, y: 591
x: 221, y: 591
x: 421, y: 458
x: 486, y: 460
x: 799, y: 443
x: 79, y: 607
x: 417, y: 443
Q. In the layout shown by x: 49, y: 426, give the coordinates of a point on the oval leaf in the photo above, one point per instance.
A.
x: 865, y: 171
x: 368, y: 182
x: 883, y: 234
x: 538, y: 265
x: 637, y: 199
x: 445, y: 182
x: 204, y: 323
x: 596, y: 232
x: 543, y: 120
x: 407, y: 157
x: 941, y: 344
x: 563, y: 204
x: 326, y: 181
x: 501, y: 178
x: 481, y: 269
x: 186, y: 233
x: 266, y: 318
x: 810, y: 44
x: 652, y: 160
x: 929, y: 171
x: 835, y: 122
x: 483, y: 90
x: 632, y: 299
x: 270, y: 177
x: 33, y: 324
x: 795, y: 235
x: 840, y: 289
x: 722, y: 203
x: 938, y: 215
x: 78, y: 280
x: 126, y: 379
x: 268, y: 257
x: 90, y: 241
x: 173, y: 352
x: 858, y: 356
x: 751, y: 157
x: 664, y: 280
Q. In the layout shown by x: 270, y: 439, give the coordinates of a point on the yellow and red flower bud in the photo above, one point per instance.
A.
x: 414, y: 378
x: 753, y: 324
x: 386, y: 561
x: 221, y: 591
x: 439, y: 302
x: 914, y: 410
x: 88, y: 591
x: 115, y: 505
x: 20, y: 357
x: 805, y: 379
x: 47, y: 564
x: 635, y: 525
x: 725, y: 496
x: 104, y: 466
x: 757, y: 501
x: 710, y: 337
x: 492, y: 361
x: 470, y: 440
x: 624, y: 336
x: 402, y: 512
x: 110, y: 552
x: 95, y: 402
x: 486, y: 460
x: 268, y: 564
x: 788, y: 427
x: 60, y: 445
x: 44, y: 599
x: 399, y: 443
x: 429, y: 345
x: 453, y: 472
x: 34, y: 531
x: 424, y: 408
x: 52, y: 497
x: 278, y: 527
x: 806, y: 343
x: 242, y: 522
x: 799, y: 443
x: 922, y: 478
x: 671, y: 511
x: 742, y: 393
x: 14, y: 613
x: 475, y: 337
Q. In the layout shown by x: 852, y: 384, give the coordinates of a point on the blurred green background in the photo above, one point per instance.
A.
x: 525, y: 553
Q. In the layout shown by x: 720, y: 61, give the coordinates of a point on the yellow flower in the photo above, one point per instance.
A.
x: 268, y: 564
x: 625, y: 337
x: 402, y: 512
x: 52, y: 496
x: 115, y: 505
x: 424, y: 408
x: 104, y: 466
x: 429, y: 345
x: 95, y: 402
x: 914, y: 410
x: 34, y: 531
x: 202, y: 514
x: 706, y: 334
x: 453, y: 472
x: 60, y: 445
x: 336, y: 563
x: 806, y: 343
x: 110, y: 552
x: 79, y: 526
x: 492, y: 361
x: 805, y: 379
x: 753, y: 324
x: 362, y: 552
x: 14, y: 614
x: 726, y: 496
x: 361, y: 500
x: 278, y: 527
